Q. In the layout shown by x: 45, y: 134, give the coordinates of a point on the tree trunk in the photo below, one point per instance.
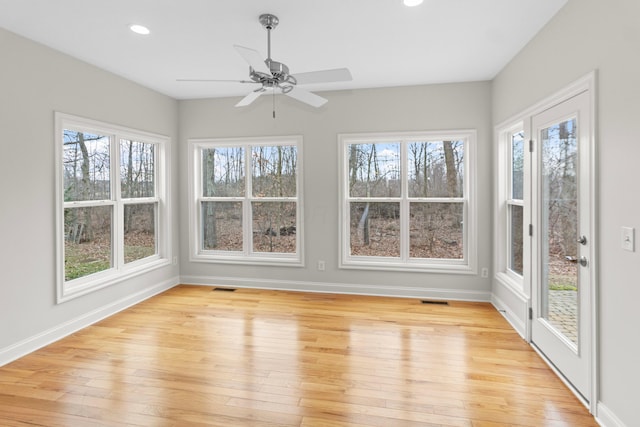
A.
x: 353, y: 166
x: 86, y: 183
x: 128, y: 184
x: 210, y: 232
x: 452, y: 173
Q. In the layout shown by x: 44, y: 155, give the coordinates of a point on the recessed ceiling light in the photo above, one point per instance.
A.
x: 412, y: 3
x: 139, y: 29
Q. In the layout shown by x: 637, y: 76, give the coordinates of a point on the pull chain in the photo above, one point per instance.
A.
x: 274, y: 103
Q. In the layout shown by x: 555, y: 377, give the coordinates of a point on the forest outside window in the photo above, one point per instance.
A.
x: 407, y: 201
x: 111, y: 204
x: 246, y: 200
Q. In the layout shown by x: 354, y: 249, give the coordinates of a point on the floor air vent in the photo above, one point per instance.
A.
x: 224, y: 290
x: 424, y: 301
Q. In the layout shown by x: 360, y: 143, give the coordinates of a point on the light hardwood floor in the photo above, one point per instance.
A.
x: 194, y: 357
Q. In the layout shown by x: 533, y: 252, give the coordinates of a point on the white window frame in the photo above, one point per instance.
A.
x: 120, y: 271
x: 247, y: 255
x: 504, y: 200
x: 468, y: 263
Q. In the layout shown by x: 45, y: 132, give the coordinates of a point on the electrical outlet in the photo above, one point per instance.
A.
x: 484, y: 272
x: 321, y: 265
x: 175, y: 260
x: 628, y: 239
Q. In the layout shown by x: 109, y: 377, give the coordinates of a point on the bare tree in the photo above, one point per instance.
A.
x: 210, y: 229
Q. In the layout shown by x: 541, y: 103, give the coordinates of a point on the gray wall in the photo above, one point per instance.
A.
x: 591, y: 35
x: 35, y: 81
x: 438, y: 107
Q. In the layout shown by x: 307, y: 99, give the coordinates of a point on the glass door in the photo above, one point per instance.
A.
x: 561, y: 302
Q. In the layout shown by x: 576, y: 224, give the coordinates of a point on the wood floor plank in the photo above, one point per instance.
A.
x: 195, y: 357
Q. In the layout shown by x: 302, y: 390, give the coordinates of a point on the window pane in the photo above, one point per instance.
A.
x: 86, y: 160
x: 516, y: 244
x: 517, y: 165
x: 137, y: 169
x: 436, y: 169
x: 87, y: 247
x: 222, y: 226
x: 274, y: 171
x: 436, y: 230
x: 274, y: 227
x: 139, y: 231
x: 375, y: 229
x: 223, y: 172
x: 374, y: 170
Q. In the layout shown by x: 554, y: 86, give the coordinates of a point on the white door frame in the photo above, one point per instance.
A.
x: 573, y: 359
x: 586, y: 83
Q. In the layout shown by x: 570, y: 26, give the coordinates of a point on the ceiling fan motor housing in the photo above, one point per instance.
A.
x: 269, y: 21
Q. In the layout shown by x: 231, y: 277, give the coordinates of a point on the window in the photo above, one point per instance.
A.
x: 111, y: 204
x: 246, y: 204
x: 407, y: 201
x: 515, y: 202
x: 512, y: 161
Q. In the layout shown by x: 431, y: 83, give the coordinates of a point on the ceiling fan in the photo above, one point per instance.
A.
x: 273, y: 75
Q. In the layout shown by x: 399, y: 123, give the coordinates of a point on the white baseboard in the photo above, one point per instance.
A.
x: 515, y: 322
x: 511, y: 303
x: 341, y: 288
x: 606, y: 418
x: 24, y: 347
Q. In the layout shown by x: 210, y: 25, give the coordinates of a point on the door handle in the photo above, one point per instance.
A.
x: 583, y: 261
x: 582, y: 240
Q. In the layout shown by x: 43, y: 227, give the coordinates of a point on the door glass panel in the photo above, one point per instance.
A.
x: 559, y: 236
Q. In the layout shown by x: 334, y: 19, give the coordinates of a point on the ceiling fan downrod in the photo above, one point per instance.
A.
x: 269, y: 22
x: 279, y: 76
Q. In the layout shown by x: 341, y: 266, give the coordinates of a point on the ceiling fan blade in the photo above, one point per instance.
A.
x: 306, y: 97
x: 324, y: 76
x: 216, y: 80
x: 254, y: 59
x: 249, y: 98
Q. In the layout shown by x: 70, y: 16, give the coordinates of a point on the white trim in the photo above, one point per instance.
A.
x: 502, y: 232
x: 247, y: 256
x: 67, y: 290
x: 108, y: 279
x: 559, y: 374
x: 576, y: 362
x: 606, y: 418
x: 392, y: 290
x: 31, y: 344
x: 469, y: 263
x: 510, y: 311
x: 587, y: 83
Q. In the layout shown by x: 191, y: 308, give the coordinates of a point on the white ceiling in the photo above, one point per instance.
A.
x: 382, y: 42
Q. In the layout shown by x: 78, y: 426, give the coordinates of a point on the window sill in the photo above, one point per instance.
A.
x: 87, y: 285
x: 266, y: 260
x: 450, y: 267
x: 514, y: 285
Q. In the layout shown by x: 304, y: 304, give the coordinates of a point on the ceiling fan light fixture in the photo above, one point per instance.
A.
x: 412, y: 3
x: 139, y: 29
